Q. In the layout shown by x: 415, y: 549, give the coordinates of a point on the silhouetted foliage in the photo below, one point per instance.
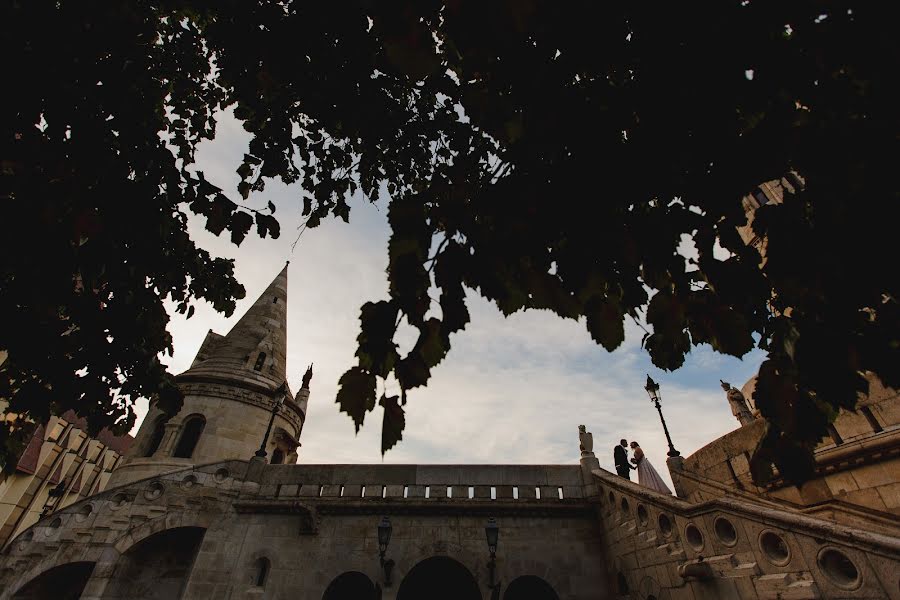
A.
x: 545, y: 154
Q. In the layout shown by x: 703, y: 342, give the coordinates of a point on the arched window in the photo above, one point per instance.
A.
x: 190, y: 435
x: 259, y: 361
x: 262, y: 571
x: 156, y: 436
x: 277, y: 456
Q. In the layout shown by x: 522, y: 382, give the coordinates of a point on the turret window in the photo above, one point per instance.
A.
x: 159, y: 428
x: 259, y: 361
x: 277, y: 456
x: 190, y: 435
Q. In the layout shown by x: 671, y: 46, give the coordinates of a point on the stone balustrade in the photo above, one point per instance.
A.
x: 734, y: 547
x: 505, y: 483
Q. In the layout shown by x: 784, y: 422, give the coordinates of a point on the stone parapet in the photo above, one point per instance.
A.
x: 749, y: 548
x: 326, y: 527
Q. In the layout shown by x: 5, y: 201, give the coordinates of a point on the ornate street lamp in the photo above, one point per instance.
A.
x: 280, y: 395
x: 653, y: 391
x: 384, y: 538
x: 492, y: 532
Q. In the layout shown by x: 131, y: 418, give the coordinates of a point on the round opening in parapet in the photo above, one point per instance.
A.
x: 839, y: 569
x: 612, y: 498
x: 154, y: 491
x: 665, y: 524
x: 118, y: 501
x: 725, y: 531
x: 54, y: 524
x: 221, y: 475
x: 694, y: 537
x: 624, y: 506
x: 84, y: 512
x: 27, y: 536
x: 775, y: 548
x: 642, y: 515
x: 189, y: 481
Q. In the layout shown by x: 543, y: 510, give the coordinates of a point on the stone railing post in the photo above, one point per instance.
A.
x: 676, y: 466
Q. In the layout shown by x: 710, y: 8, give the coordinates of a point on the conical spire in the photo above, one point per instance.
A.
x: 255, y: 350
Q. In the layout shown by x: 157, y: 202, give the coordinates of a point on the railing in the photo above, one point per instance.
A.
x: 424, y: 482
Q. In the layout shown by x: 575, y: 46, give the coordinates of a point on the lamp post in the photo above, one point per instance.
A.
x: 384, y: 538
x: 653, y: 391
x: 280, y: 395
x: 492, y: 532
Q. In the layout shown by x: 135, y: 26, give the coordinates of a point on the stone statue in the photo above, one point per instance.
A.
x: 738, y: 403
x: 587, y: 441
x: 307, y: 377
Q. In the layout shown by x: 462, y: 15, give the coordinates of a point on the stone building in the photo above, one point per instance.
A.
x: 197, y: 510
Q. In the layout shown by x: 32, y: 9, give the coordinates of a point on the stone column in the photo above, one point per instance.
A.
x: 167, y: 445
x: 676, y: 466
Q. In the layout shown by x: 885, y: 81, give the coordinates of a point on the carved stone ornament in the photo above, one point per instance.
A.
x: 586, y: 439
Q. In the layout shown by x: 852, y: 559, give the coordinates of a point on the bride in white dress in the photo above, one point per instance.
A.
x: 647, y: 475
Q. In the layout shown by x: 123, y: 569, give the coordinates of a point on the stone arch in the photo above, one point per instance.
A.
x: 64, y: 582
x: 157, y: 567
x: 168, y: 521
x: 191, y: 429
x: 67, y: 554
x: 529, y: 587
x: 351, y: 584
x: 439, y: 578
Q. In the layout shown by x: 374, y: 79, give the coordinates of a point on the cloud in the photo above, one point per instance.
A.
x: 510, y: 391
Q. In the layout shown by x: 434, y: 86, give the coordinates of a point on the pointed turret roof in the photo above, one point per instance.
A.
x: 255, y: 350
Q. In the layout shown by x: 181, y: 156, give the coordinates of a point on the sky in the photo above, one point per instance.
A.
x: 510, y: 391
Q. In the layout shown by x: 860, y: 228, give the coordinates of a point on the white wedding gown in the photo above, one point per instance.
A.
x: 647, y: 475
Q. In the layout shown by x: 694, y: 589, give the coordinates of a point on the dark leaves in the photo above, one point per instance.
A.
x: 239, y: 226
x: 669, y: 341
x: 377, y: 351
x: 267, y: 224
x: 393, y: 423
x: 356, y: 395
x: 605, y: 322
x: 568, y: 186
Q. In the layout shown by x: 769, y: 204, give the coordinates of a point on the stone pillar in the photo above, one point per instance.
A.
x: 588, y: 461
x: 676, y: 466
x: 167, y: 445
x: 102, y: 574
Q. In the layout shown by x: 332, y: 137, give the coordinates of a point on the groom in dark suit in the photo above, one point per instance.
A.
x: 620, y: 457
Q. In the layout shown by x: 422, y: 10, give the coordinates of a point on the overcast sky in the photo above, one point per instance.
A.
x: 511, y: 390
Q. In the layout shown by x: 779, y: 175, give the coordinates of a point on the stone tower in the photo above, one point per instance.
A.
x: 229, y: 393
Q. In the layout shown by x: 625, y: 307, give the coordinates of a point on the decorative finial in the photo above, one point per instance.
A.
x: 307, y: 377
x: 725, y: 385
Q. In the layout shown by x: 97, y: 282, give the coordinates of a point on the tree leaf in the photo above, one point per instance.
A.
x: 377, y: 351
x: 356, y: 394
x: 605, y: 322
x: 393, y: 423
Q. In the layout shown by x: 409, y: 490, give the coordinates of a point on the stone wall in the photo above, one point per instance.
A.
x: 314, y: 522
x: 857, y: 467
x: 734, y: 547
